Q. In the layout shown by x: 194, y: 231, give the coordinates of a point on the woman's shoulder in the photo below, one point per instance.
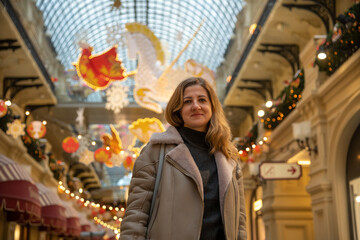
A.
x: 170, y: 136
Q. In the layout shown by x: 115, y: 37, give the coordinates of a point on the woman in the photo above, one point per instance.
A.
x: 201, y: 192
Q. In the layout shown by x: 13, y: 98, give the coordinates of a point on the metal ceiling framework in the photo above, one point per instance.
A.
x: 173, y: 22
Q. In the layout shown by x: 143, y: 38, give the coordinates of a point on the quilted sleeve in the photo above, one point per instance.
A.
x: 134, y: 223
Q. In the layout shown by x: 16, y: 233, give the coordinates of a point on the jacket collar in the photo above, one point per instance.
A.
x: 170, y: 136
x: 182, y: 157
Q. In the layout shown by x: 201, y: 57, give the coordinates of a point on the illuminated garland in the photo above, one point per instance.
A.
x: 106, y: 225
x: 285, y: 102
x: 249, y: 139
x: 88, y: 203
x: 342, y: 42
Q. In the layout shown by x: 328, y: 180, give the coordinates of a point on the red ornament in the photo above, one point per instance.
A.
x: 70, y: 144
x: 244, y: 156
x: 3, y: 108
x: 102, y: 155
x: 128, y: 163
x: 36, y: 129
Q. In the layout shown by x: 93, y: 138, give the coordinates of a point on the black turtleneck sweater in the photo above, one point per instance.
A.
x: 212, y: 226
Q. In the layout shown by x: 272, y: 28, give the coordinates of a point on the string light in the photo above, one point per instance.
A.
x: 87, y: 202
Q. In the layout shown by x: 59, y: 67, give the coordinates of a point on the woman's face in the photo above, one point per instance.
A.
x: 196, y: 111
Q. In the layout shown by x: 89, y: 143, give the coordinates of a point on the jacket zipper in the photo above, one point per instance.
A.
x: 187, y: 174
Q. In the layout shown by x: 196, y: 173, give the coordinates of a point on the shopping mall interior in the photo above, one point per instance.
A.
x: 84, y: 85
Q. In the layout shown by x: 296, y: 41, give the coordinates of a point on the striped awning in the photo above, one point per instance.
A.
x: 52, y: 210
x: 73, y: 227
x: 84, y: 223
x: 19, y: 196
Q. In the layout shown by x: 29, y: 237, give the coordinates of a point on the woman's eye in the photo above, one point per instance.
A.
x: 202, y: 100
x: 187, y: 101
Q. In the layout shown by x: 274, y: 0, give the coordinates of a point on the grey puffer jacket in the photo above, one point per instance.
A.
x: 179, y: 204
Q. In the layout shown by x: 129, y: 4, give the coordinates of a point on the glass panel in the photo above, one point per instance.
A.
x: 174, y: 22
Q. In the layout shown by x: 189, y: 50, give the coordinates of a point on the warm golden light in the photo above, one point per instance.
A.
x: 304, y: 162
x: 321, y: 55
x: 27, y: 113
x: 269, y: 104
x: 261, y: 113
x: 258, y: 205
x: 252, y: 28
x: 228, y: 79
x: 44, y: 122
x: 8, y: 103
x: 247, y: 149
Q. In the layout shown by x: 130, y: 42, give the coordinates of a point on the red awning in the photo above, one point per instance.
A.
x: 52, y: 210
x: 19, y: 197
x: 84, y: 223
x: 73, y: 227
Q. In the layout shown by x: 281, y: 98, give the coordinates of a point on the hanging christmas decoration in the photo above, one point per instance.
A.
x: 36, y: 129
x: 341, y: 42
x: 70, y: 144
x: 199, y: 70
x: 129, y: 163
x: 16, y: 128
x: 117, y: 159
x: 143, y: 128
x: 80, y: 117
x: 83, y: 146
x: 288, y: 99
x: 244, y: 156
x: 99, y: 70
x: 117, y: 98
x: 3, y: 108
x: 116, y: 5
x: 113, y: 142
x: 86, y: 157
x: 153, y: 84
x: 102, y: 155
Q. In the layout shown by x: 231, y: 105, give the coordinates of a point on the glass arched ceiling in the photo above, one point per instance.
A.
x: 172, y: 21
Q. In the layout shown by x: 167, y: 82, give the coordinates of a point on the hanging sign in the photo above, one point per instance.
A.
x: 280, y: 171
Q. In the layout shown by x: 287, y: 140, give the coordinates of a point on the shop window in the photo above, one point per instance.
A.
x: 353, y: 179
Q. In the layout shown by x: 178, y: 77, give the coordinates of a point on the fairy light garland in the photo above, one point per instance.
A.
x: 108, y: 226
x: 88, y: 203
x: 285, y: 102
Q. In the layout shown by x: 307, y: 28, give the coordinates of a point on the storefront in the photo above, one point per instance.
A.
x: 20, y: 202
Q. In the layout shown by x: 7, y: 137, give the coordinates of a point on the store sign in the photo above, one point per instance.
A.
x: 279, y: 171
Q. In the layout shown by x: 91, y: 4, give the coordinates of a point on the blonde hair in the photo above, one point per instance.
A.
x: 218, y: 134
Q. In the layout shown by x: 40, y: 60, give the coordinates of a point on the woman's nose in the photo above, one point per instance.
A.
x: 196, y: 106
